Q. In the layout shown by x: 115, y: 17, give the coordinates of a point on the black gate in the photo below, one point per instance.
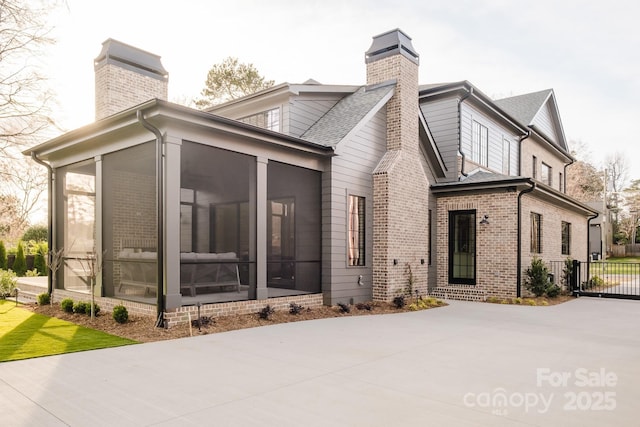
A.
x: 605, y: 279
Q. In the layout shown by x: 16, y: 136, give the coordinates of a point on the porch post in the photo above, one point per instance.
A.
x: 261, y: 228
x: 173, y: 299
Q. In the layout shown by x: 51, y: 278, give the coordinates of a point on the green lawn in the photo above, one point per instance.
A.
x: 627, y: 265
x: 24, y: 334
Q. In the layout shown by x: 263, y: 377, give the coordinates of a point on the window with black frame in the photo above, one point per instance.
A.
x: 462, y: 247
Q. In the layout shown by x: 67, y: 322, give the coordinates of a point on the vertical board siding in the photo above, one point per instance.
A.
x: 545, y: 122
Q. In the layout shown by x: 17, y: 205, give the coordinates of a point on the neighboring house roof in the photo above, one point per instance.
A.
x: 348, y: 113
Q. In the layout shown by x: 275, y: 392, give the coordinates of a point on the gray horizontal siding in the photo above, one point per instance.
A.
x: 351, y: 173
x: 497, y: 133
x: 442, y: 119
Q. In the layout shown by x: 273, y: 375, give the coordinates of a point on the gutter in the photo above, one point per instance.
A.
x: 50, y: 179
x: 519, y: 238
x: 468, y: 94
x: 160, y: 304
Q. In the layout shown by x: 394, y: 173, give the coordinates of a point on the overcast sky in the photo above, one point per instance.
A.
x: 588, y: 52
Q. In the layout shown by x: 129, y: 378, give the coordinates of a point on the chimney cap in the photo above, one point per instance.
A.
x: 131, y: 58
x: 391, y: 43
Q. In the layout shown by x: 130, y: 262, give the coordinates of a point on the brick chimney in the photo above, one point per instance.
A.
x: 400, y: 185
x: 126, y: 76
x: 392, y: 56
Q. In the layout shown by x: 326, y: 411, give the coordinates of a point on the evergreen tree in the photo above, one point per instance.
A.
x: 3, y: 256
x: 20, y: 264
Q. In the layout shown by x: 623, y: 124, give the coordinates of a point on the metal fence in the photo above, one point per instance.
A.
x: 597, y: 278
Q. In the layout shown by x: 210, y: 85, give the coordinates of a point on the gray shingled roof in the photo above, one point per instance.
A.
x: 331, y: 128
x: 524, y: 107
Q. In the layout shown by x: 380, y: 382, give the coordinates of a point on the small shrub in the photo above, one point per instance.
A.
x: 537, y: 277
x: 529, y: 301
x: 81, y: 307
x: 295, y: 308
x: 67, y: 305
x: 20, y: 264
x: 344, y: 308
x: 87, y: 309
x: 518, y: 300
x: 266, y: 312
x: 493, y: 300
x: 364, y: 306
x: 544, y: 303
x: 120, y: 314
x: 399, y: 301
x: 594, y: 282
x: 553, y: 291
x: 32, y: 273
x: 8, y: 283
x: 44, y: 299
x: 3, y: 256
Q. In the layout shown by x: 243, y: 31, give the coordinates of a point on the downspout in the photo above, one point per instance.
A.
x: 519, y: 238
x: 49, y: 216
x: 565, y: 177
x: 588, y: 237
x: 522, y: 138
x: 468, y: 94
x: 160, y: 213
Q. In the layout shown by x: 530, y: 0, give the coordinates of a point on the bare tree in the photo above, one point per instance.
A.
x: 24, y: 99
x: 584, y: 180
x: 616, y: 170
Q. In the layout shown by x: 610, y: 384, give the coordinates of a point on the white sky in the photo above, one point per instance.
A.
x: 588, y: 52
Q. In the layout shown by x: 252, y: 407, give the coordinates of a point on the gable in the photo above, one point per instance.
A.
x: 547, y: 121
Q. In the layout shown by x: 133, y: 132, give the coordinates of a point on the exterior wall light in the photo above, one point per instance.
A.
x: 485, y: 220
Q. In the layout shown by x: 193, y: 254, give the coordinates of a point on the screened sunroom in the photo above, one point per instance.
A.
x: 229, y: 212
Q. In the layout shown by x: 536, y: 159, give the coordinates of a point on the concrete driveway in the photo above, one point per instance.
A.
x: 468, y: 364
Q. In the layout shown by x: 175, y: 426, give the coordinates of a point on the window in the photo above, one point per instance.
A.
x: 356, y: 230
x: 269, y: 119
x: 534, y: 168
x: 462, y: 247
x: 545, y: 174
x: 506, y: 157
x: 566, y: 238
x: 430, y: 239
x: 560, y: 182
x: 480, y: 144
x: 536, y: 233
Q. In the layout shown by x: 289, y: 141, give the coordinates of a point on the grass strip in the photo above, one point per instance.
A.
x: 24, y: 335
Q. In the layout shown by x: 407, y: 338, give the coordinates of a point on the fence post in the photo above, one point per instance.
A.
x: 575, y: 276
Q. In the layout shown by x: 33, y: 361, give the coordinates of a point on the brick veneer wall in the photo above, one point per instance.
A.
x: 400, y: 187
x: 496, y: 244
x: 118, y: 89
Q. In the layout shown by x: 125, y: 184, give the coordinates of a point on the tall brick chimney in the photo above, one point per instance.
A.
x: 400, y: 185
x: 126, y: 76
